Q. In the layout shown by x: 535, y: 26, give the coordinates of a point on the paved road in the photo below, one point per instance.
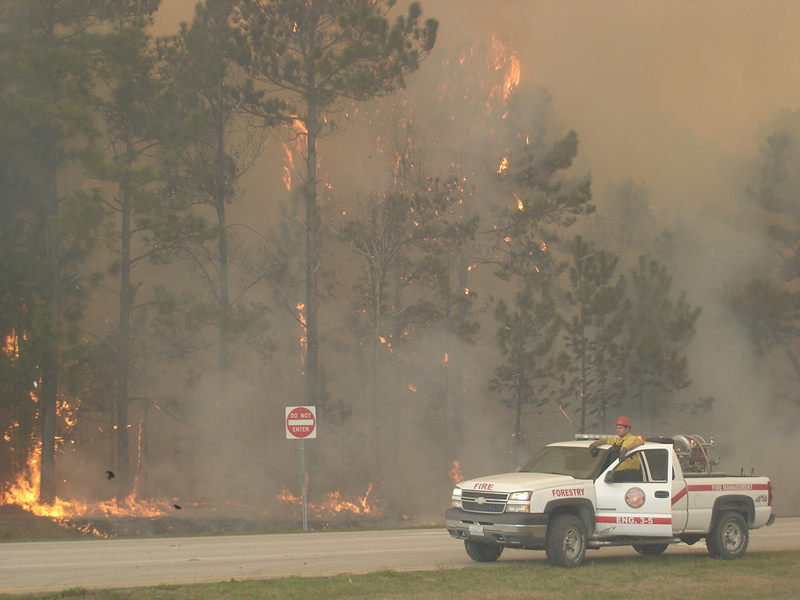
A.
x: 117, y: 563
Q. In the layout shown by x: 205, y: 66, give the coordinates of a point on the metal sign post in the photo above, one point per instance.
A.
x: 303, y: 483
x: 301, y: 423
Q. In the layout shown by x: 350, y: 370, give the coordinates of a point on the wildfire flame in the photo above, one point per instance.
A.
x: 455, y: 473
x: 11, y: 347
x: 503, y: 165
x: 509, y: 61
x: 289, y: 168
x: 335, y: 503
x: 23, y: 492
x: 297, y: 134
x: 303, y: 338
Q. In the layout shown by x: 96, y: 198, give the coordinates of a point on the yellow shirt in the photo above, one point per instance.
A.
x: 628, y: 442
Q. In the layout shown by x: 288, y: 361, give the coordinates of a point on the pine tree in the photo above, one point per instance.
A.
x: 49, y: 72
x: 656, y: 334
x: 546, y: 201
x: 527, y: 333
x: 322, y: 53
x: 224, y: 122
x: 597, y: 307
x: 768, y: 304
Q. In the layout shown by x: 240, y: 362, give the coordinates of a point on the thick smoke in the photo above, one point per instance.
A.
x: 666, y: 94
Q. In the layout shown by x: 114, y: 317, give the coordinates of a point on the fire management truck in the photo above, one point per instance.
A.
x: 569, y: 498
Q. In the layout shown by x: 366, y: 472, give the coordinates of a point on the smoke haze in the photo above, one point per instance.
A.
x: 670, y: 94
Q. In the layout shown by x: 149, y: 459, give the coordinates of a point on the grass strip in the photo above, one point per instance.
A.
x: 763, y: 575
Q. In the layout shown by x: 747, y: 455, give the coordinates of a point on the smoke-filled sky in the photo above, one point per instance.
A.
x: 615, y: 67
x: 663, y: 92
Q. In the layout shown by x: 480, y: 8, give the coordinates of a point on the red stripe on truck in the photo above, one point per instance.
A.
x: 679, y: 495
x: 728, y: 487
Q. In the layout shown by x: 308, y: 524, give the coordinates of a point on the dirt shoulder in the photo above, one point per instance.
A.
x: 17, y: 525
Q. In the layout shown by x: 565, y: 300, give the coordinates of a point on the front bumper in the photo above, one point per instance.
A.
x: 510, y: 530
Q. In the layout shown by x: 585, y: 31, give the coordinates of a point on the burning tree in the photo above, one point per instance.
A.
x: 435, y: 140
x: 48, y: 57
x: 544, y: 200
x: 321, y: 53
x: 406, y: 239
x: 380, y: 235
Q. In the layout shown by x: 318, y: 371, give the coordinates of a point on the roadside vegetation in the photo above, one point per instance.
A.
x: 764, y: 575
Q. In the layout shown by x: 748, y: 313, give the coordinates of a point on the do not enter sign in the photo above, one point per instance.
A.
x: 301, y: 422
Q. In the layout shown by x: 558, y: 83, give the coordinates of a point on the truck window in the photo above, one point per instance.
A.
x: 576, y: 462
x: 657, y: 462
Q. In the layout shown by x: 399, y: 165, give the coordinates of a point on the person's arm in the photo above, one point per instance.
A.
x: 623, y: 451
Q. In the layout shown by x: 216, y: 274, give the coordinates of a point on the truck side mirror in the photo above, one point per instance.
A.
x: 609, y: 478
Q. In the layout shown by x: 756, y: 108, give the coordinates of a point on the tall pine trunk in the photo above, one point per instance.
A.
x: 49, y: 367
x: 224, y: 294
x: 126, y: 293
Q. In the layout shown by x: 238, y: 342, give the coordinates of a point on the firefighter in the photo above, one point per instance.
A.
x: 628, y: 469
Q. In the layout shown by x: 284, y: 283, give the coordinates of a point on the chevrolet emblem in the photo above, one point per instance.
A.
x: 480, y: 500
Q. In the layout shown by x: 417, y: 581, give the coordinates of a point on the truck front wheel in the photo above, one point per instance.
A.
x: 728, y: 537
x: 481, y: 552
x: 565, y: 544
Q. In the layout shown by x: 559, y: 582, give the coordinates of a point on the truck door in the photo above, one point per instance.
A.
x: 637, y: 508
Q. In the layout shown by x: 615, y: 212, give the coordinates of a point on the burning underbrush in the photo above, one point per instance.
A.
x: 141, y: 518
x: 22, y: 516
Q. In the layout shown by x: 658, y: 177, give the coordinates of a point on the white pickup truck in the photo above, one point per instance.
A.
x: 566, y: 499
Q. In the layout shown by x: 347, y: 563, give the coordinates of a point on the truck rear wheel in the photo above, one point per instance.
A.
x: 481, y: 552
x: 650, y: 549
x: 565, y: 544
x: 728, y: 537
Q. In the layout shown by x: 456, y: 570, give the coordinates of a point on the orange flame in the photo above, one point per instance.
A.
x: 455, y: 473
x: 503, y: 165
x: 289, y: 168
x: 11, y: 347
x: 334, y: 503
x: 303, y: 339
x: 297, y: 132
x: 23, y: 492
x: 508, y: 60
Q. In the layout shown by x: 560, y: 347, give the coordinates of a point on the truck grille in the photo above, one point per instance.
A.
x: 482, y: 502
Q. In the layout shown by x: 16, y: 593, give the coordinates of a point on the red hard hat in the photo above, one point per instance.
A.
x: 623, y: 421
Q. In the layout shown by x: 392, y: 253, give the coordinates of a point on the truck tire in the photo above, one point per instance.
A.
x: 565, y: 543
x: 728, y: 537
x: 482, y: 552
x: 650, y: 549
